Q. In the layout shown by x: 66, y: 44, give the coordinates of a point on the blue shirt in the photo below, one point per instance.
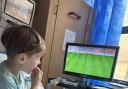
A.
x: 9, y: 81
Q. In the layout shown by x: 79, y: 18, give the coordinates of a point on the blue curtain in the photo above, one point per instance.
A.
x: 107, y: 25
x: 108, y: 21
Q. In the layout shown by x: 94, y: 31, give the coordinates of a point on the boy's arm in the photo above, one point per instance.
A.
x: 7, y: 83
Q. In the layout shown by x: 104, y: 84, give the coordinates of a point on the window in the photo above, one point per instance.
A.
x: 121, y: 71
x: 125, y: 23
x: 3, y: 56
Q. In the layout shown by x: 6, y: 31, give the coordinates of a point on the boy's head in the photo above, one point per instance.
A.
x: 21, y: 39
x: 23, y: 44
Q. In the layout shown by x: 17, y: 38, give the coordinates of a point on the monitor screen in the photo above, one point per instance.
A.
x: 90, y: 61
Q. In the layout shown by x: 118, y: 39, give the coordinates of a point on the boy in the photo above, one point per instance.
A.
x: 24, y: 49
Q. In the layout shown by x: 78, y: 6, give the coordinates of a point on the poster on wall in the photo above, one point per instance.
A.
x: 21, y: 10
x: 69, y: 36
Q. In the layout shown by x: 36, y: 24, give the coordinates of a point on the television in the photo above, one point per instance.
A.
x: 19, y: 11
x: 90, y: 61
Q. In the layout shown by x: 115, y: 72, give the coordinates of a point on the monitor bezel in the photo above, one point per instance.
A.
x: 90, y: 76
x: 14, y: 17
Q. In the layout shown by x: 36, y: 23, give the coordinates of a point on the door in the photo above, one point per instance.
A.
x: 52, y: 15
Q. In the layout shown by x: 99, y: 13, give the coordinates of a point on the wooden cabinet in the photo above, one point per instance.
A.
x: 58, y: 21
x: 40, y: 16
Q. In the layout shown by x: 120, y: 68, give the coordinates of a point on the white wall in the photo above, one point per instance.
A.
x: 2, y: 24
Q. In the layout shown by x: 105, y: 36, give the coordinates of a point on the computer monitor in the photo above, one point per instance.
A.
x: 90, y: 61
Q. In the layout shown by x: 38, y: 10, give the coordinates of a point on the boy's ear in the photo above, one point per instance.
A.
x: 21, y: 58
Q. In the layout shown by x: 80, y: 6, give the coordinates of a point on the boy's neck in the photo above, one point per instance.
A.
x: 13, y: 67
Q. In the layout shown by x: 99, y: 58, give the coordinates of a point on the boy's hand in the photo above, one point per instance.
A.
x: 36, y: 77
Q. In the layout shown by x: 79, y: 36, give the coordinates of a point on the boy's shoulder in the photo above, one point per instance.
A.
x: 6, y: 79
x: 3, y: 69
x: 4, y: 73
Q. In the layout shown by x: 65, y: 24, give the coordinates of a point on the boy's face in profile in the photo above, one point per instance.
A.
x: 30, y: 62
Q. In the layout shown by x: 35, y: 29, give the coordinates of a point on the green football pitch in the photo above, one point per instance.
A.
x: 90, y: 64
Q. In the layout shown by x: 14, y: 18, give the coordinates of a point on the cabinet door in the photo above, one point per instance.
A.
x: 48, y: 38
x: 65, y: 21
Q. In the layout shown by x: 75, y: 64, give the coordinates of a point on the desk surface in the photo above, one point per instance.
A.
x: 69, y: 86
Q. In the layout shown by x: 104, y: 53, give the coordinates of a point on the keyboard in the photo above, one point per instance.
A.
x: 69, y: 82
